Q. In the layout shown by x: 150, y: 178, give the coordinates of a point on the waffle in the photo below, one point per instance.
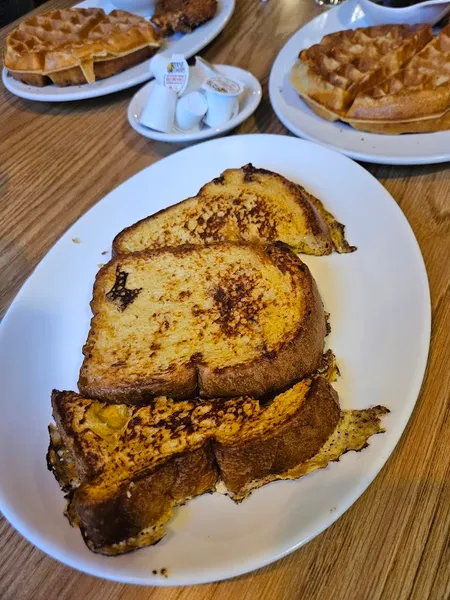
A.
x: 75, y: 46
x: 441, y: 123
x: 330, y: 75
x: 417, y: 97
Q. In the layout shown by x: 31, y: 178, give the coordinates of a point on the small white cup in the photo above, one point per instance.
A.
x: 171, y: 72
x: 190, y: 110
x: 159, y: 112
x: 222, y: 97
x: 220, y: 110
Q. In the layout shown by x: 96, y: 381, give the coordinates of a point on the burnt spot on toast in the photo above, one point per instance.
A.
x: 237, y: 305
x: 196, y: 358
x: 327, y: 323
x: 259, y: 215
x: 250, y: 171
x: 212, y: 229
x: 119, y: 293
x: 285, y: 260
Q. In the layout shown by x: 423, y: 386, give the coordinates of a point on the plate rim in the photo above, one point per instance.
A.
x: 380, y: 460
x: 80, y: 93
x: 383, y: 159
x: 204, y: 134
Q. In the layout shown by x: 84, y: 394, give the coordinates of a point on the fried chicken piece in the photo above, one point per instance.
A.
x: 182, y: 16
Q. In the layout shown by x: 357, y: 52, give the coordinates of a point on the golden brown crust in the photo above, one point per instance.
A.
x: 440, y: 123
x: 182, y: 16
x: 181, y: 384
x: 275, y: 370
x: 75, y: 76
x: 336, y: 229
x: 393, y: 127
x: 351, y: 433
x: 238, y: 444
x: 344, y: 64
x: 421, y: 90
x: 289, y: 445
x: 340, y: 79
x: 133, y: 472
x: 103, y: 69
x: 249, y: 204
x: 30, y: 78
x: 145, y: 502
x: 75, y: 46
x: 230, y: 310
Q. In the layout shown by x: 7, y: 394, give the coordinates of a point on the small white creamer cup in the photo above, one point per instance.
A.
x: 190, y: 110
x: 159, y: 112
x: 222, y: 98
x: 172, y: 72
x: 177, y: 74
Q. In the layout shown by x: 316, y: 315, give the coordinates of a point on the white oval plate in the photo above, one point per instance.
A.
x: 248, y: 103
x: 379, y: 302
x: 188, y: 44
x: 407, y: 149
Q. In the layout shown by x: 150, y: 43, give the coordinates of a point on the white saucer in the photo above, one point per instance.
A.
x: 248, y: 103
x: 407, y: 149
x: 187, y: 44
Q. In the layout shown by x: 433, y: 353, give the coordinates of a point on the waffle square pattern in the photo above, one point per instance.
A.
x: 75, y: 46
x: 384, y: 79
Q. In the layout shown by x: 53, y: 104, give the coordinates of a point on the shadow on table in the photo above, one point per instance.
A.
x: 406, y: 171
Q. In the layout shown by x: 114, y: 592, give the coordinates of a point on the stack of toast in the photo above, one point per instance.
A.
x: 204, y: 368
x: 388, y: 79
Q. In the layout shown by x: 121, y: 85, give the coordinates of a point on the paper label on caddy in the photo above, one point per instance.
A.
x: 177, y: 75
x: 222, y: 86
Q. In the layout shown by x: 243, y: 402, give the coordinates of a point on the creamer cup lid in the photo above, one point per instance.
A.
x: 177, y: 74
x: 223, y: 86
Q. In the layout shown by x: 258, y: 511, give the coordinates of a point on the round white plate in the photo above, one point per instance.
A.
x: 379, y: 302
x: 408, y: 149
x: 188, y: 44
x: 248, y: 103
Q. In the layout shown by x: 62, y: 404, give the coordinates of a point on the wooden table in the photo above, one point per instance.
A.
x: 56, y: 161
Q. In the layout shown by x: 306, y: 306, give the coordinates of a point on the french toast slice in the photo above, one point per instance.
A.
x: 220, y: 320
x: 124, y: 468
x: 247, y: 204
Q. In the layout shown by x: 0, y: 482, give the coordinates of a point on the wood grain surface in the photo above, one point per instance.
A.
x: 58, y: 160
